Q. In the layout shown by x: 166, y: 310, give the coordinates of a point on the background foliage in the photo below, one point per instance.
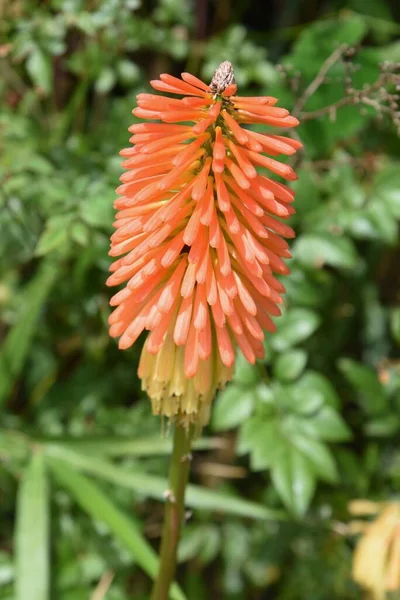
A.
x: 292, y: 440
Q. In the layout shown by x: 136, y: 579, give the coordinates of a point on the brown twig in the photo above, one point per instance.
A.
x: 319, y: 78
x: 103, y: 586
x: 363, y: 96
x: 375, y: 95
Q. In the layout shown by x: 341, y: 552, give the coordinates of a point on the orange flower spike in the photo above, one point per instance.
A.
x: 197, y: 239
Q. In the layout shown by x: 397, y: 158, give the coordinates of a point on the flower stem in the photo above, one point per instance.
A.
x: 174, y: 512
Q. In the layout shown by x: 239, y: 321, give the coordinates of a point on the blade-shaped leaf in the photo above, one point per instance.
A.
x: 149, y: 446
x: 32, y: 533
x: 154, y: 487
x: 17, y: 343
x: 95, y: 502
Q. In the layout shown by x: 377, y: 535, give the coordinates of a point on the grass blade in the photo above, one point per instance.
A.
x: 154, y: 487
x: 150, y: 446
x: 18, y: 341
x: 97, y: 504
x: 32, y: 533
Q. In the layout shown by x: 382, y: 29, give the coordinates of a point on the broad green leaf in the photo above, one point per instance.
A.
x: 232, y: 407
x: 97, y: 209
x: 383, y: 426
x: 387, y: 185
x: 17, y: 343
x: 319, y: 455
x: 32, y: 566
x: 325, y: 35
x: 97, y: 504
x: 367, y: 385
x: 246, y: 373
x: 265, y: 397
x: 293, y: 476
x: 128, y: 71
x: 39, y: 69
x: 306, y: 288
x: 106, y: 81
x: 327, y: 424
x: 250, y: 432
x: 317, y: 250
x: 268, y: 446
x: 51, y: 240
x: 311, y: 391
x: 384, y: 222
x: 294, y: 327
x: 80, y: 233
x: 200, y: 542
x: 289, y: 366
x: 55, y: 234
x: 308, y: 194
x: 154, y: 487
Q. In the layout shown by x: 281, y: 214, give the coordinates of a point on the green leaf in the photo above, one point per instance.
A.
x: 14, y: 444
x: 293, y: 476
x: 154, y: 487
x: 387, y: 186
x: 268, y: 444
x: 294, y: 327
x: 317, y: 250
x: 326, y: 35
x: 80, y: 233
x: 39, y: 69
x: 97, y: 504
x: 395, y: 324
x: 106, y: 81
x: 250, y: 432
x: 97, y: 210
x: 55, y: 234
x: 32, y: 570
x: 307, y: 288
x: 383, y: 426
x: 128, y: 71
x: 50, y: 240
x: 319, y: 455
x: 311, y: 391
x: 374, y: 8
x: 327, y: 425
x: 200, y: 542
x: 367, y: 385
x: 18, y: 341
x: 384, y: 222
x: 307, y: 193
x: 232, y: 407
x: 290, y: 365
x: 245, y: 372
x: 120, y: 446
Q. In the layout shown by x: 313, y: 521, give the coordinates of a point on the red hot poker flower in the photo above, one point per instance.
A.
x: 197, y: 236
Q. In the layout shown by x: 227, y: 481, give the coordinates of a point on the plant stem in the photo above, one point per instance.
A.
x: 174, y: 512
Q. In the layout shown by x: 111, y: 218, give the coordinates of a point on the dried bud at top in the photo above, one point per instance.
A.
x: 223, y: 76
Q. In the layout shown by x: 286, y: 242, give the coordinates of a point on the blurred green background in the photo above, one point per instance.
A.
x: 292, y: 440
